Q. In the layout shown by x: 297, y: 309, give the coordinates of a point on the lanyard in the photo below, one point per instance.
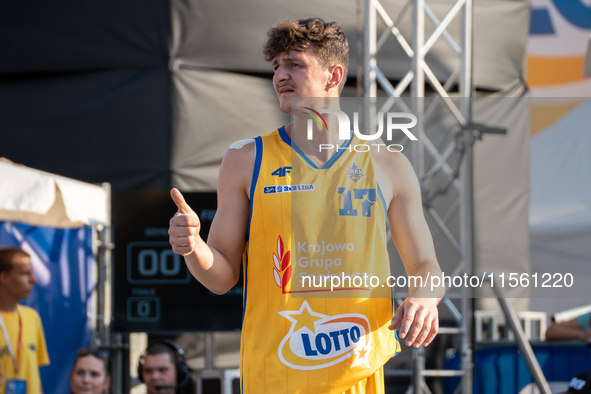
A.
x: 19, y: 341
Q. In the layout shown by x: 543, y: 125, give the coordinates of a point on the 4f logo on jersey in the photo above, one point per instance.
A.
x: 282, y: 171
x: 317, y: 341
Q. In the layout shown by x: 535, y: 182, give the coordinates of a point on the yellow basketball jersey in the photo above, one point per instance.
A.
x: 302, y: 331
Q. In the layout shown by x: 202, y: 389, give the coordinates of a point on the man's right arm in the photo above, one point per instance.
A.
x: 216, y: 264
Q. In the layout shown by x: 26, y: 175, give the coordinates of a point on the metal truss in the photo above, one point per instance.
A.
x: 428, y: 159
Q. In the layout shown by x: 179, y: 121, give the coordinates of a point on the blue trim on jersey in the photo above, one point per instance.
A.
x: 258, y: 158
x: 243, y: 313
x: 288, y: 141
x: 255, y: 176
x: 328, y: 164
x: 395, y: 331
x: 303, y: 156
x: 284, y: 135
x: 339, y: 153
x: 381, y: 196
x: 258, y: 146
x: 397, y: 340
x: 244, y: 285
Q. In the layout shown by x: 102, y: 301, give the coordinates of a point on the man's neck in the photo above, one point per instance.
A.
x: 316, y: 146
x: 7, y: 303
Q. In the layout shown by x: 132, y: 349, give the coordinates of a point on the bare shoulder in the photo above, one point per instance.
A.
x: 228, y: 229
x: 396, y: 171
x: 238, y: 165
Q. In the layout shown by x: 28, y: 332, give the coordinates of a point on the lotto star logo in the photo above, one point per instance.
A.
x: 317, y: 341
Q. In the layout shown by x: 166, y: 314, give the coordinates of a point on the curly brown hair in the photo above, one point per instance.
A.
x: 327, y: 40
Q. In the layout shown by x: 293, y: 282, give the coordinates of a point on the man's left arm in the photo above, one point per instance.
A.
x: 417, y: 316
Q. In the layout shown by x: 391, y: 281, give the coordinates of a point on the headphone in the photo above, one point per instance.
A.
x: 183, y: 374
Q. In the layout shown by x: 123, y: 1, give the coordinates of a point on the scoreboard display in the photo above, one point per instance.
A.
x: 153, y: 290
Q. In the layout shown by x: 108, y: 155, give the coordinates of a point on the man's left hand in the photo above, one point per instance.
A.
x: 418, y: 319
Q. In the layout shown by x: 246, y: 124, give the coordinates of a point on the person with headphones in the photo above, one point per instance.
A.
x: 163, y: 368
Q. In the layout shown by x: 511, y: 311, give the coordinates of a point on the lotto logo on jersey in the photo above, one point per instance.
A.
x: 317, y: 341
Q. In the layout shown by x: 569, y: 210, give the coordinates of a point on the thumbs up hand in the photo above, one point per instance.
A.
x: 184, y: 226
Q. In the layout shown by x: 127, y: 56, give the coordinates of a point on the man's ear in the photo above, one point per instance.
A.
x: 3, y: 275
x: 336, y: 76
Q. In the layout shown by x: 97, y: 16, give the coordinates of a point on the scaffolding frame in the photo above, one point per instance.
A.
x: 416, y: 77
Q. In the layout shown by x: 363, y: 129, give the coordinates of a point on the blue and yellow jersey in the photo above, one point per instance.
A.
x: 302, y: 331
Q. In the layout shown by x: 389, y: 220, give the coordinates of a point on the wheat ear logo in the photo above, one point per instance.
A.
x: 282, y: 266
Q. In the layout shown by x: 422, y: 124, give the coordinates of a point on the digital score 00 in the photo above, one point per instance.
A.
x: 153, y: 290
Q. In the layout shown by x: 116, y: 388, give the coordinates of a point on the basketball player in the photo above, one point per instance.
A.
x: 280, y: 197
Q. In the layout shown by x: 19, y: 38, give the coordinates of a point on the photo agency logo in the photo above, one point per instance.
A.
x: 395, y: 121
